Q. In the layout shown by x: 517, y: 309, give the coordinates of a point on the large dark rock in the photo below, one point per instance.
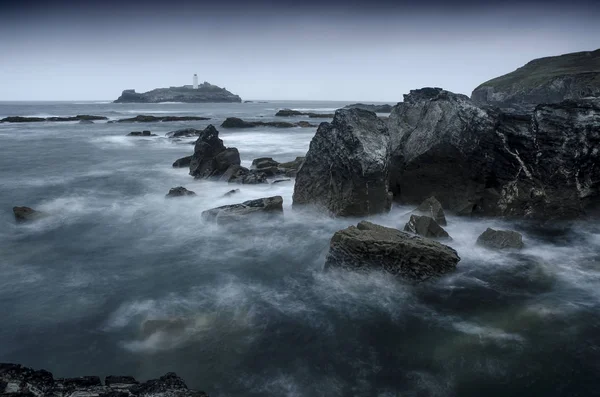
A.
x: 238, y: 174
x: 346, y: 168
x: 426, y: 227
x: 544, y: 80
x: 431, y: 207
x: 291, y: 113
x: 19, y: 381
x: 25, y: 214
x: 238, y: 212
x: 182, y: 162
x: 264, y: 162
x: 211, y: 159
x: 204, y: 93
x: 500, y: 239
x: 483, y: 161
x: 180, y: 191
x: 370, y: 246
x: 141, y: 133
x: 185, y: 132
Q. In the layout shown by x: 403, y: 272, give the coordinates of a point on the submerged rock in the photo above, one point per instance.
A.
x: 141, y: 133
x: 237, y: 212
x: 500, y: 239
x: 346, y: 168
x: 185, y: 132
x: 291, y: 113
x: 182, y: 162
x: 153, y: 119
x: 231, y: 192
x: 25, y: 214
x: 234, y: 122
x: 211, y: 159
x: 80, y: 118
x: 370, y: 246
x: 86, y: 122
x: 426, y: 227
x: 16, y: 380
x: 432, y: 208
x: 180, y: 191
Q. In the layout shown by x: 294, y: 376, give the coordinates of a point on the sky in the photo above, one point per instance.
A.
x: 311, y: 50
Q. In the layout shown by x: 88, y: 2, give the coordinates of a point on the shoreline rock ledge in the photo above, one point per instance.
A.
x: 346, y: 169
x: 17, y: 380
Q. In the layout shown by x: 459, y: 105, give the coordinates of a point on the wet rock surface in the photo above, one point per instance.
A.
x: 180, y: 191
x: 500, y: 239
x: 17, y: 380
x: 426, y: 227
x: 141, y: 133
x: 269, y: 206
x: 292, y: 113
x: 211, y: 159
x: 368, y: 246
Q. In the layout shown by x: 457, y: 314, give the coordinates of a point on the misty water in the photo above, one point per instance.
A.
x: 120, y: 280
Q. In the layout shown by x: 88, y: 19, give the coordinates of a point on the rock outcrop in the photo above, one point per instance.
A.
x: 346, y: 169
x: 211, y: 158
x: 180, y: 191
x: 483, y: 161
x: 312, y: 115
x: 370, y: 246
x: 21, y: 119
x: 141, y: 133
x: 234, y: 122
x: 238, y: 174
x: 16, y: 380
x: 370, y: 107
x: 426, y: 227
x: 204, y: 93
x: 500, y: 239
x: 544, y: 80
x: 183, y: 133
x: 26, y: 214
x: 154, y: 119
x: 227, y: 214
x: 183, y: 162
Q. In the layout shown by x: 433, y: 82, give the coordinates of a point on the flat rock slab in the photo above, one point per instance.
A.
x: 500, y: 239
x: 370, y: 246
x: 227, y: 214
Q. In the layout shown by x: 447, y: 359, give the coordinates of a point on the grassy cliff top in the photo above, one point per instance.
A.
x: 543, y: 69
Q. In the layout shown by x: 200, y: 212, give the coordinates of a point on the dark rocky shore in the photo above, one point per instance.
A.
x: 19, y: 381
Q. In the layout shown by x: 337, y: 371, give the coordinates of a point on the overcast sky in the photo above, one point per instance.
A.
x: 326, y: 50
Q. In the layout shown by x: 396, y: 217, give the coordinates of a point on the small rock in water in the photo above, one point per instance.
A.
x: 426, y: 227
x: 370, y: 246
x: 231, y: 192
x: 500, y: 239
x: 431, y: 207
x: 23, y: 214
x: 281, y: 180
x: 237, y: 212
x: 180, y: 191
x: 141, y: 133
x: 264, y: 162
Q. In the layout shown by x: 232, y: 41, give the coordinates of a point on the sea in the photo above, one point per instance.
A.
x: 119, y: 280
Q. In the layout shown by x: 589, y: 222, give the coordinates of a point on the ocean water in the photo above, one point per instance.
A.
x: 120, y: 280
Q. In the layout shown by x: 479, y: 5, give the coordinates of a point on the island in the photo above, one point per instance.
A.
x: 202, y: 93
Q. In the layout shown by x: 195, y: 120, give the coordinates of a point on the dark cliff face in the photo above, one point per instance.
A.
x: 204, y: 93
x: 483, y: 161
x: 544, y: 80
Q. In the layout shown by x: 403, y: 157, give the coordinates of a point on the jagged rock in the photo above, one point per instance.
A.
x: 16, y: 380
x: 370, y: 107
x: 264, y: 162
x: 211, y: 159
x: 153, y: 119
x: 231, y: 192
x: 204, y: 93
x: 483, y: 161
x: 237, y: 212
x: 179, y: 191
x: 370, y: 246
x: 238, y: 174
x: 544, y: 80
x: 346, y: 168
x: 182, y: 162
x: 141, y: 133
x: 185, y: 132
x: 432, y: 208
x: 500, y: 239
x: 426, y: 227
x: 23, y: 214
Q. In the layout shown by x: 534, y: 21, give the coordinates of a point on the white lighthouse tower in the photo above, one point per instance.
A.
x: 195, y: 81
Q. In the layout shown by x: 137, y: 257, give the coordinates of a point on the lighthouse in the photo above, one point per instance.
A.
x: 195, y: 81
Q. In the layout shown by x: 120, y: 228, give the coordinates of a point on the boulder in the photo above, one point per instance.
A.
x: 264, y: 162
x: 238, y: 174
x: 426, y: 227
x: 182, y: 162
x: 481, y: 161
x: 237, y: 212
x: 211, y: 159
x: 185, y: 132
x: 500, y: 239
x: 432, y: 208
x: 25, y: 214
x: 179, y: 191
x: 345, y: 172
x: 369, y: 246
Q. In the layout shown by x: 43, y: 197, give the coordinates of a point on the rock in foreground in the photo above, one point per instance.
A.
x: 211, y: 158
x: 238, y: 212
x: 346, y: 168
x: 500, y: 239
x: 25, y: 214
x: 426, y: 227
x: 370, y: 246
x: 16, y: 380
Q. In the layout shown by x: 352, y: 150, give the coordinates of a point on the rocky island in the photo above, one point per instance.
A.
x: 205, y: 93
x: 544, y: 80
